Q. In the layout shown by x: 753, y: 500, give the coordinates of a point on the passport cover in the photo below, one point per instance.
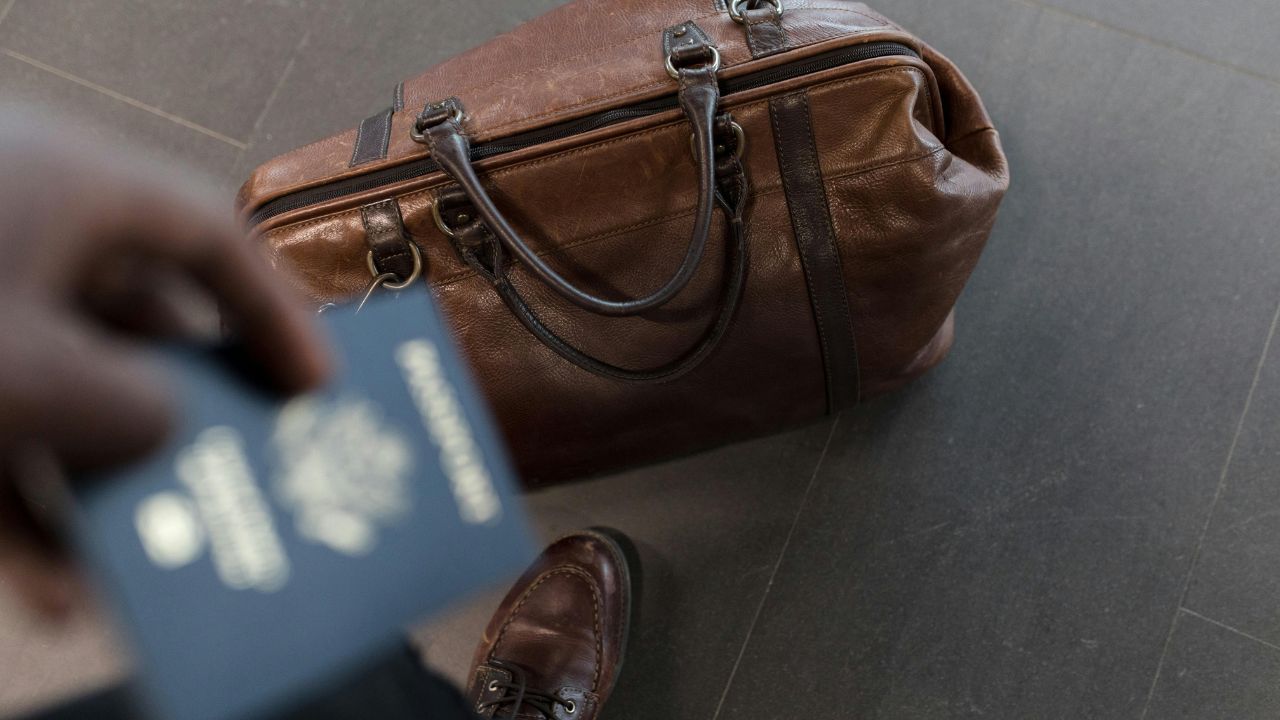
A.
x: 273, y: 545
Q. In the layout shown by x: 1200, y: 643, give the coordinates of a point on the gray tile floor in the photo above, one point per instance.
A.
x: 1077, y: 516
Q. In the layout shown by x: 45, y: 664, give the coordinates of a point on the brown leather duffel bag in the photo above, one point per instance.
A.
x: 661, y: 225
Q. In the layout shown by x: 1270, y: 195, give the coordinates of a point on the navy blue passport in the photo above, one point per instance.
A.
x: 274, y: 545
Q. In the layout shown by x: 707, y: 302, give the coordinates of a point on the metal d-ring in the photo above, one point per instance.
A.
x: 713, y: 66
x: 738, y: 132
x: 735, y: 9
x: 441, y: 224
x: 382, y: 279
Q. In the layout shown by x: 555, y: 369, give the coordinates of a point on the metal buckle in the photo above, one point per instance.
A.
x: 735, y: 9
x: 738, y: 133
x: 714, y: 65
x: 418, y: 131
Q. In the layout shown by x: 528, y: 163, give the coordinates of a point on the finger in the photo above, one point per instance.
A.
x: 151, y: 301
x: 151, y: 212
x: 262, y: 310
x: 258, y: 306
x: 91, y: 400
x: 49, y: 586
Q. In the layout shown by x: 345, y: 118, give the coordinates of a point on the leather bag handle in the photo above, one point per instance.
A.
x: 486, y: 255
x: 440, y: 128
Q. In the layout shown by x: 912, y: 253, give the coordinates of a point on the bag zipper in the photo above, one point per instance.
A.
x: 426, y: 166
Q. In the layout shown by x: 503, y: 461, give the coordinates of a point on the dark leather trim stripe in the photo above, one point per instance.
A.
x: 816, y: 240
x: 373, y: 138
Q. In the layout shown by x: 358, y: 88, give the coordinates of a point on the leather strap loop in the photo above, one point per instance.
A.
x: 699, y: 97
x: 765, y: 33
x: 389, y: 244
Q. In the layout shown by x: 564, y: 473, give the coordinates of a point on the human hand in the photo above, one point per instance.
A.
x: 97, y: 252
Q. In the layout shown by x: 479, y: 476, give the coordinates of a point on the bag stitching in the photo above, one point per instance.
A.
x: 595, y: 609
x: 426, y: 192
x: 462, y: 275
x: 575, y: 106
x: 843, y: 307
x: 605, y: 143
x: 784, y: 164
x: 761, y: 191
x: 385, y: 140
x: 772, y: 189
x: 545, y: 69
x: 355, y: 149
x: 535, y: 162
x: 323, y: 141
x: 853, y: 79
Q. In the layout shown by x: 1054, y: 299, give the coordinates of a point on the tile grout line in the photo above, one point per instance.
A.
x: 1213, y: 506
x: 271, y: 99
x: 795, y: 522
x: 1228, y: 628
x: 1039, y: 4
x: 124, y: 98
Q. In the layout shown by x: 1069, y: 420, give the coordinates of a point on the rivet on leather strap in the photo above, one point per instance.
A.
x: 689, y: 44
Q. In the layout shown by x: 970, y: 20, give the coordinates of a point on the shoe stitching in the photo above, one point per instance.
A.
x: 595, y: 610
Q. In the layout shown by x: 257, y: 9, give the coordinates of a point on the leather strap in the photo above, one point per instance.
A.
x: 765, y: 34
x: 386, y: 236
x: 485, y: 255
x: 373, y: 138
x: 815, y: 238
x: 440, y: 127
x: 686, y: 34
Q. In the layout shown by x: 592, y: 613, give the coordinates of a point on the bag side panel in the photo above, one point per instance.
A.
x: 910, y: 232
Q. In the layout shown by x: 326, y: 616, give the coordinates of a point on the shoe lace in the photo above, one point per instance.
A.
x: 517, y: 694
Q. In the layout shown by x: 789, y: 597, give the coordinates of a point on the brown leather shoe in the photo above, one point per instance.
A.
x: 554, y: 647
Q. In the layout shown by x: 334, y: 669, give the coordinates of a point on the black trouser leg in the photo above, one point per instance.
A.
x: 395, y: 687
x: 113, y: 704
